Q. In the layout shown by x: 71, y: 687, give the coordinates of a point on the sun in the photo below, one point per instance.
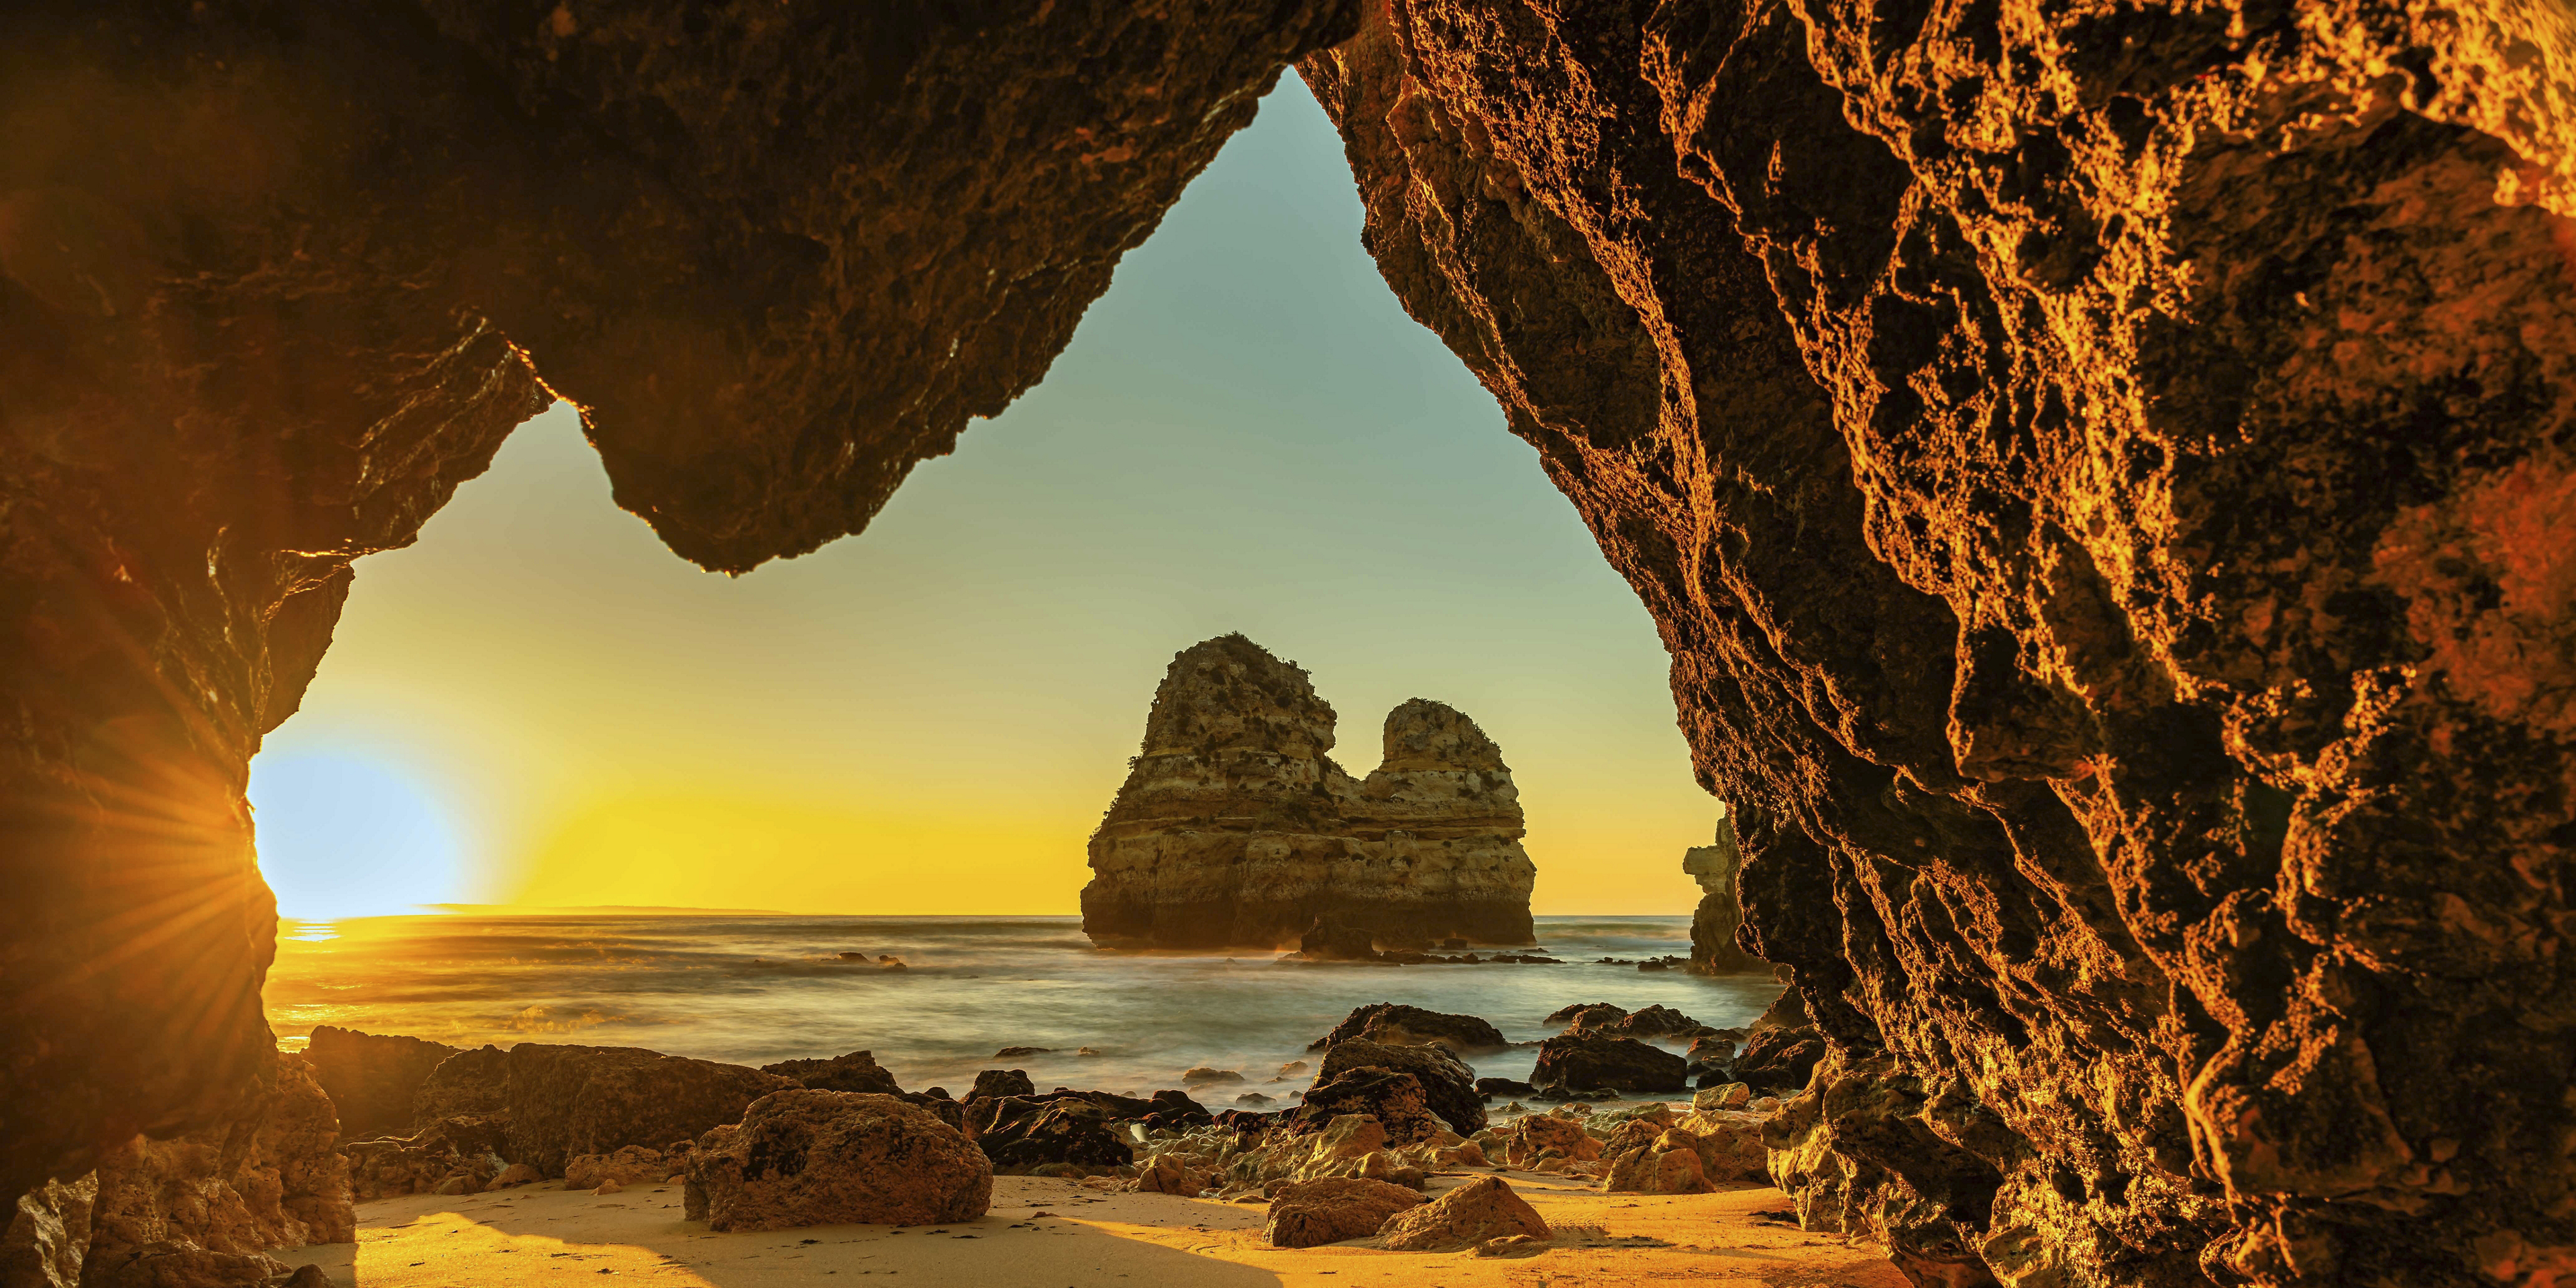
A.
x: 349, y: 834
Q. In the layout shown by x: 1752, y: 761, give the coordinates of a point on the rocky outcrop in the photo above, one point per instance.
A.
x: 468, y: 1084
x: 806, y: 1157
x: 275, y: 278
x: 2092, y: 468
x: 1400, y: 1025
x: 1236, y: 828
x: 1020, y: 1134
x: 1395, y: 1099
x: 1313, y: 1213
x: 372, y: 1080
x: 1448, y: 1084
x: 1480, y: 1211
x: 1713, y: 947
x: 1582, y: 1061
x: 566, y: 1100
x: 856, y: 1071
x: 470, y: 1152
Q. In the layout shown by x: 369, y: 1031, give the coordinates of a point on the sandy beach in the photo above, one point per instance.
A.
x: 1044, y: 1232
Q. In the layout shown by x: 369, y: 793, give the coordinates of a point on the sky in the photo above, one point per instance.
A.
x: 538, y: 704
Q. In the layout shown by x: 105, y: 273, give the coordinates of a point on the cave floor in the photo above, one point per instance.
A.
x: 1092, y: 1238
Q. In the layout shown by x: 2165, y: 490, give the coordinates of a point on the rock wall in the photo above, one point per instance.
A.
x: 184, y: 1209
x: 277, y: 275
x: 1236, y: 828
x: 1713, y: 923
x: 2103, y: 475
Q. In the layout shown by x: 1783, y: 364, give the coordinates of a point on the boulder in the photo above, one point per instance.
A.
x: 803, y: 1157
x: 1489, y: 1088
x: 568, y: 1100
x: 1481, y: 1210
x: 1335, y: 942
x: 372, y: 1080
x: 1312, y: 1213
x: 633, y: 1165
x: 1203, y: 1074
x: 1448, y: 1086
x: 1580, y: 1061
x: 1168, y: 1175
x: 1657, y: 1022
x: 1392, y: 1097
x: 1779, y: 1059
x: 1577, y: 1014
x: 1017, y: 1052
x: 1710, y: 1052
x: 857, y: 1071
x: 1400, y: 1025
x: 1001, y: 1082
x: 1531, y: 1140
x: 1691, y: 1157
x: 1024, y: 1134
x: 392, y: 1166
x: 468, y: 1084
x: 224, y: 1195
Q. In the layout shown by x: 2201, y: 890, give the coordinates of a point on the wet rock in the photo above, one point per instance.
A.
x: 1332, y: 1210
x: 1024, y: 1134
x: 1778, y: 1059
x: 1203, y: 1075
x: 1490, y: 1088
x: 804, y: 1157
x: 1711, y: 1052
x: 856, y: 1071
x: 1584, y: 1062
x: 1253, y: 1098
x: 1391, y: 1097
x: 1448, y: 1085
x: 1235, y: 826
x: 1399, y: 1025
x: 1652, y: 1022
x: 1481, y: 1210
x: 1586, y: 1015
x: 569, y: 1100
x: 1001, y: 1082
x: 1016, y: 1052
x: 373, y: 1080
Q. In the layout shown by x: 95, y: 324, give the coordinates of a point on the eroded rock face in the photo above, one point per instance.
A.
x: 806, y: 1157
x: 2098, y: 471
x: 1236, y: 828
x: 372, y: 1079
x: 566, y: 1100
x: 1713, y: 947
x: 272, y: 279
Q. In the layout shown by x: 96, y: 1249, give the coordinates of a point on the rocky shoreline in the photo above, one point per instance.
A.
x: 361, y: 1118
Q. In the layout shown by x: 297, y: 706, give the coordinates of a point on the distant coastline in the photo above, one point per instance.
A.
x: 597, y: 910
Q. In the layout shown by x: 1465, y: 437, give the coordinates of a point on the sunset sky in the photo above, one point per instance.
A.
x: 539, y: 704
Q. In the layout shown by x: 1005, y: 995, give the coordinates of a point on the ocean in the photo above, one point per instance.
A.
x: 754, y: 989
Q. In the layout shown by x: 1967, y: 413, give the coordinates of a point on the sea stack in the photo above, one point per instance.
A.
x: 1235, y: 828
x: 1713, y: 950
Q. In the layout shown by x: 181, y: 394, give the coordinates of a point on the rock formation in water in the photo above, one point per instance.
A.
x: 2103, y: 475
x: 1713, y: 947
x: 1236, y: 828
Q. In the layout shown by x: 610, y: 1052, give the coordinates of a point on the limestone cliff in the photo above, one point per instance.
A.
x: 1713, y: 948
x: 1236, y: 828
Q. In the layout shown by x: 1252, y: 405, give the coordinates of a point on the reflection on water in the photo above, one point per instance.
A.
x: 757, y: 989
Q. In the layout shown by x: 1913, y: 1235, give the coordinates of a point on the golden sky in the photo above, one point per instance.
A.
x: 539, y: 704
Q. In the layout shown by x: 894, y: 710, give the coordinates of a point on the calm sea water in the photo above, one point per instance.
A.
x: 749, y: 989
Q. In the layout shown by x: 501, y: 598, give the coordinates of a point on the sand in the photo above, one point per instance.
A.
x: 1088, y: 1238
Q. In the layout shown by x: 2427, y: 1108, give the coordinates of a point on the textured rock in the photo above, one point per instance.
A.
x: 566, y: 1100
x: 471, y: 1149
x: 272, y: 279
x: 372, y: 1080
x: 211, y: 1198
x: 1581, y: 1061
x: 1713, y: 947
x: 1315, y: 1213
x: 1024, y: 1134
x: 1482, y: 1209
x: 1004, y: 1082
x: 2093, y: 467
x: 805, y: 1157
x: 1401, y: 1025
x: 633, y: 1165
x: 468, y: 1084
x: 47, y: 1236
x: 856, y: 1071
x: 1778, y: 1059
x: 1448, y: 1085
x: 1392, y: 1097
x: 1236, y: 828
x: 1528, y: 1140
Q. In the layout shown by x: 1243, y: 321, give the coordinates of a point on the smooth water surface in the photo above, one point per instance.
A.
x: 756, y: 989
